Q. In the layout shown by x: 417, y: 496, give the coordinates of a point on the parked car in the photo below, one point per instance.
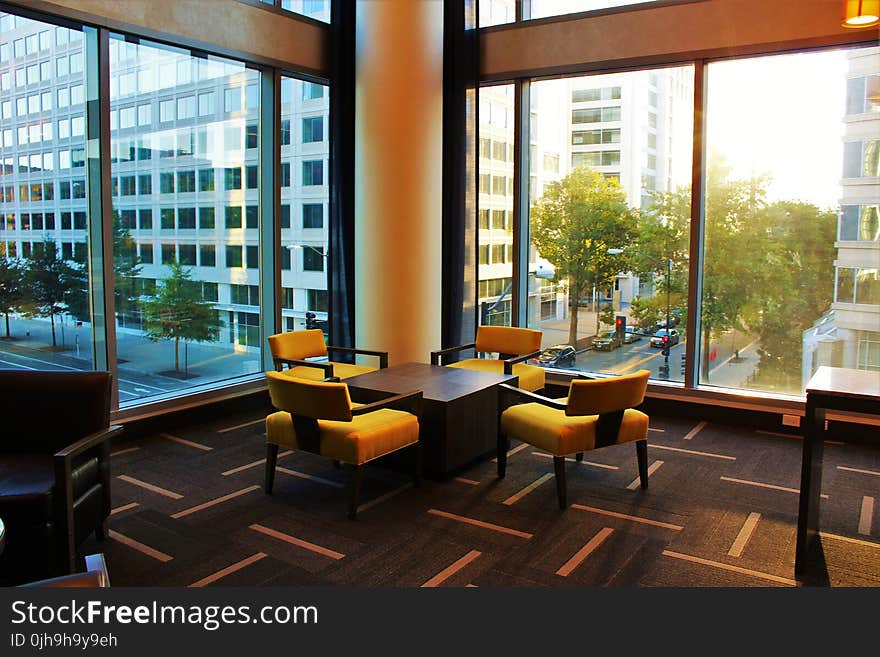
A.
x: 632, y: 335
x: 663, y: 337
x: 560, y: 355
x: 607, y: 340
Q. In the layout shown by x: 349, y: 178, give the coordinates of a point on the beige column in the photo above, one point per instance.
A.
x: 398, y: 177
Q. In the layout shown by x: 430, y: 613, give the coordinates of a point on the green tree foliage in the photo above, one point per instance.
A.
x: 796, y: 241
x: 178, y: 312
x: 126, y: 268
x: 574, y: 224
x: 12, y: 287
x: 53, y: 284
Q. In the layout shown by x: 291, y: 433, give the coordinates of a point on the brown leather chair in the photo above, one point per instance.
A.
x: 54, y: 468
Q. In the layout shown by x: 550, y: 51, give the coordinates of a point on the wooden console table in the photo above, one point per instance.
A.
x: 830, y: 388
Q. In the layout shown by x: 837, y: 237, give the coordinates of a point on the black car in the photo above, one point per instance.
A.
x: 607, y: 340
x: 560, y: 355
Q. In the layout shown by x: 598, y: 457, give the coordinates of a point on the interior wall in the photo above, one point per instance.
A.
x: 398, y: 177
x: 670, y: 33
x: 227, y: 27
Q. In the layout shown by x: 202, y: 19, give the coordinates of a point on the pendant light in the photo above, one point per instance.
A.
x: 861, y: 13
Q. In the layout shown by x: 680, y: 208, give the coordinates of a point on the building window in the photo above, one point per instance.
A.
x: 313, y: 215
x: 312, y: 172
x: 233, y: 216
x: 313, y: 258
x: 312, y: 129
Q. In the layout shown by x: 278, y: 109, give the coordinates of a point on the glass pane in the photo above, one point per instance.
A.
x: 776, y: 201
x: 317, y: 9
x: 609, y: 219
x: 179, y: 323
x: 305, y: 204
x: 44, y: 276
x: 495, y: 206
x: 542, y: 8
x: 496, y: 12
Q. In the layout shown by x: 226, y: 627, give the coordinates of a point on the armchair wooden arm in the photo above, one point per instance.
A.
x: 510, y: 362
x: 383, y: 355
x: 436, y: 355
x: 63, y: 461
x: 410, y: 402
x: 290, y: 362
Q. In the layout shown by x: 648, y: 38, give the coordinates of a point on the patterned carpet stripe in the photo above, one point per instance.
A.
x: 195, y: 516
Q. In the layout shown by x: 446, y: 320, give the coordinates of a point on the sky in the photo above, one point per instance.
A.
x: 782, y: 115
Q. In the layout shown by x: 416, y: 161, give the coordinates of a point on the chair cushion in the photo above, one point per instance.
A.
x: 26, y: 483
x: 363, y: 439
x: 555, y: 432
x: 531, y: 378
x: 342, y: 370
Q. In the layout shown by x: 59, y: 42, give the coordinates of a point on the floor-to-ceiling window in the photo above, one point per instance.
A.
x: 44, y: 221
x: 609, y: 195
x: 304, y: 204
x: 495, y: 205
x: 791, y: 195
x: 184, y: 144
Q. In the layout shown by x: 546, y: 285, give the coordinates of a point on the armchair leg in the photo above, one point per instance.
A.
x: 559, y: 467
x: 271, y: 461
x: 579, y: 457
x: 100, y: 533
x: 355, y: 499
x: 642, y: 456
x: 336, y: 464
x: 502, y: 455
x: 417, y: 463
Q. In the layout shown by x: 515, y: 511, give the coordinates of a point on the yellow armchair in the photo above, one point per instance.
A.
x: 597, y: 413
x: 294, y: 347
x: 319, y: 417
x: 513, y: 346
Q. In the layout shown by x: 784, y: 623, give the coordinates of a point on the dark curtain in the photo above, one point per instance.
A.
x: 341, y: 238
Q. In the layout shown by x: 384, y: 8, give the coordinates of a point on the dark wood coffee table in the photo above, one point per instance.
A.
x: 459, y: 415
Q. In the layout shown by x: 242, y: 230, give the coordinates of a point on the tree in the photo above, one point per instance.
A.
x: 178, y: 312
x: 53, y: 284
x: 574, y: 224
x: 12, y: 286
x: 126, y: 268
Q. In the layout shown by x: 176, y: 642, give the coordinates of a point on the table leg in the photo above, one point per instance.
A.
x: 811, y: 484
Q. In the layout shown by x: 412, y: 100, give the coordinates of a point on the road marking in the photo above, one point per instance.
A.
x: 870, y: 472
x: 697, y: 429
x: 614, y: 514
x: 566, y: 569
x: 866, y: 517
x: 693, y: 451
x: 635, y: 483
x: 762, y: 485
x: 244, y: 563
x: 303, y: 475
x: 450, y: 570
x: 214, y: 502
x: 745, y: 533
x: 480, y: 523
x: 572, y: 460
x: 725, y: 566
x: 242, y: 468
x: 513, y: 499
x: 140, y: 547
x: 293, y: 540
x: 184, y: 441
x: 151, y: 487
x: 382, y: 498
x: 124, y: 507
x: 241, y: 426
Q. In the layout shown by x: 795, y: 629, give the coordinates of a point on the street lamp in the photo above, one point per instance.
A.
x: 665, y: 367
x: 322, y: 251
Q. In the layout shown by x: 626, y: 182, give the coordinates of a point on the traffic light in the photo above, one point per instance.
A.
x: 620, y: 327
x: 683, y: 363
x: 310, y: 320
x: 665, y: 345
